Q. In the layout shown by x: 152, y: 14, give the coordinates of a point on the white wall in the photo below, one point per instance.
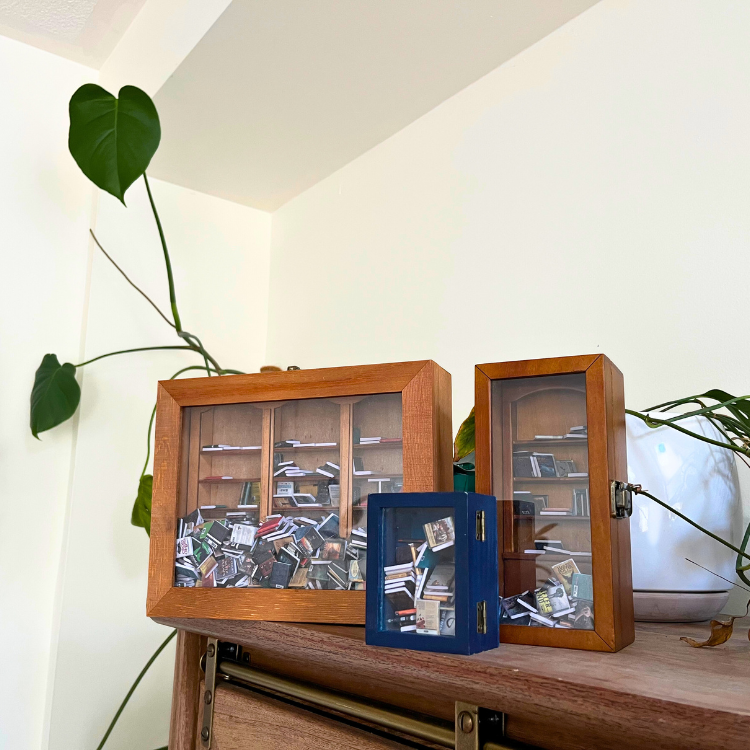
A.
x: 589, y: 195
x: 45, y: 212
x: 220, y: 254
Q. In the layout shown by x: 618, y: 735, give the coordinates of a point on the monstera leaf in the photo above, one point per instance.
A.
x: 55, y: 395
x: 113, y: 139
x: 141, y: 515
x: 464, y: 443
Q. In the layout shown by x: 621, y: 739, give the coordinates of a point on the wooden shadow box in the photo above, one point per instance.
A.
x: 550, y: 441
x: 432, y: 572
x: 261, y: 485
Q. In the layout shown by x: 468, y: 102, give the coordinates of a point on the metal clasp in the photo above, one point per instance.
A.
x: 621, y: 499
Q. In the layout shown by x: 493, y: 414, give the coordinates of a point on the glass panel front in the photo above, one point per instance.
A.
x: 377, y: 451
x: 540, y: 475
x: 275, y: 495
x: 419, y: 556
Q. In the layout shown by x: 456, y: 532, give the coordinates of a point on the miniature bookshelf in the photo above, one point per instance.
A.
x: 245, y: 448
x: 525, y: 412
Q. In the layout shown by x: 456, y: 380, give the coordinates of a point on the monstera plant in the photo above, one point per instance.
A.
x: 113, y: 140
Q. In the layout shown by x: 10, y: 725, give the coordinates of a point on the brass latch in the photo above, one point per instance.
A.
x: 481, y: 534
x: 482, y: 617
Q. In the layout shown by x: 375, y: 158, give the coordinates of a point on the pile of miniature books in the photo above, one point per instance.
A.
x: 281, y: 552
x: 563, y: 601
x: 419, y: 586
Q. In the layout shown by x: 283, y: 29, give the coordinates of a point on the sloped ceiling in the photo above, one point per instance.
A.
x: 279, y: 94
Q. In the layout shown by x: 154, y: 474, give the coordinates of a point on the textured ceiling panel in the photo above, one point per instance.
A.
x: 65, y: 19
x: 82, y: 30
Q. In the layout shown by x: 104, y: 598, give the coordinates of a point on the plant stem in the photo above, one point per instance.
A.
x: 651, y: 421
x: 133, y: 687
x: 189, y: 337
x: 139, y: 290
x: 139, y: 349
x: 693, y: 523
x: 717, y: 575
x: 172, y: 295
x: 153, y: 416
x: 738, y: 565
x: 148, y: 440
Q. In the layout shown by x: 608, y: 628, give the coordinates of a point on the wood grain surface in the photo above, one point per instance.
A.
x: 658, y: 693
x: 186, y: 690
x: 245, y: 720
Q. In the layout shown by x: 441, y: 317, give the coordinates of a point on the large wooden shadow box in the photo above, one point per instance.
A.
x: 261, y: 485
x: 550, y: 441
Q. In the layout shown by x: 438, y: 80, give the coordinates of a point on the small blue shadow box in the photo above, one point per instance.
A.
x: 432, y: 578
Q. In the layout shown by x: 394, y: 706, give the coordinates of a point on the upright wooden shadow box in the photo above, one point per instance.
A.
x: 550, y: 442
x: 261, y: 485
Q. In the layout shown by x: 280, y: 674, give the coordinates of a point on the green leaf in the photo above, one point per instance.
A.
x: 141, y: 515
x: 464, y: 443
x: 55, y: 395
x: 111, y: 139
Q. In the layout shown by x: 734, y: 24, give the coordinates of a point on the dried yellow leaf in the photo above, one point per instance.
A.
x: 721, y: 632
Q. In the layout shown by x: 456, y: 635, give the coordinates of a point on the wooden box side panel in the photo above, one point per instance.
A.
x: 622, y: 572
x: 427, y: 433
x: 442, y: 407
x: 164, y: 505
x: 601, y: 521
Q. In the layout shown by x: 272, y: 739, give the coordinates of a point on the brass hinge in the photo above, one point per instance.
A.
x: 621, y: 499
x: 481, y: 617
x: 209, y: 688
x: 478, y: 727
x: 481, y: 535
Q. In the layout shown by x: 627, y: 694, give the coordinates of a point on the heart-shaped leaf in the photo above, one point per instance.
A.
x: 55, y: 395
x: 113, y: 139
x: 464, y: 443
x: 141, y: 515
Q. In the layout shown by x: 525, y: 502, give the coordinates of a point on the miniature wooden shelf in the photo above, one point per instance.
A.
x: 545, y: 556
x: 307, y: 508
x: 553, y: 518
x: 551, y: 480
x: 369, y: 446
x: 569, y: 441
x: 656, y: 693
x: 307, y: 449
x: 253, y: 452
x: 378, y: 476
x: 307, y: 478
x: 233, y: 480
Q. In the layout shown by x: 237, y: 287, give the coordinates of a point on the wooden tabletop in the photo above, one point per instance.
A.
x: 657, y: 693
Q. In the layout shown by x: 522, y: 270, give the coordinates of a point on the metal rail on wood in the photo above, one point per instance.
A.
x: 432, y: 730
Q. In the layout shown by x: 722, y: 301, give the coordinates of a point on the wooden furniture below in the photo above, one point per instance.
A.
x: 658, y: 693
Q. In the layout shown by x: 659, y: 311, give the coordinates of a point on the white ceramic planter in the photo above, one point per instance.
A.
x: 699, y: 480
